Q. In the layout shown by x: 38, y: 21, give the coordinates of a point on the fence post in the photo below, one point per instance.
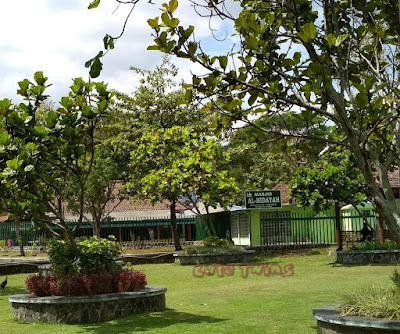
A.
x: 338, y: 233
x: 382, y: 235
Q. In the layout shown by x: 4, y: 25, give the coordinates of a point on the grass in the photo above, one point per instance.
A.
x: 231, y: 304
x: 373, y: 301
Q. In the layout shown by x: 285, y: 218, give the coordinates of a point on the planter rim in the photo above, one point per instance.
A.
x: 368, y: 251
x: 214, y: 254
x: 328, y: 314
x: 148, y: 291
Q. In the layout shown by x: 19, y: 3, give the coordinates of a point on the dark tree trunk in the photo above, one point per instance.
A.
x: 96, y: 229
x: 174, y: 227
x: 211, y: 223
x: 204, y: 222
x: 19, y: 238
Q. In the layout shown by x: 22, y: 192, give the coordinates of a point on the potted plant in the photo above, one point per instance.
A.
x: 373, y: 309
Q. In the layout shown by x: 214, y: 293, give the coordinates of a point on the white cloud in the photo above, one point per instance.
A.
x: 59, y: 36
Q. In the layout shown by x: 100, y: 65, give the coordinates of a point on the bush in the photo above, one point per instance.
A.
x: 370, y: 245
x: 130, y: 281
x: 61, y: 258
x: 375, y: 301
x: 212, y: 250
x: 85, y: 285
x: 38, y: 285
x: 90, y: 270
x: 92, y: 256
x: 216, y: 242
x: 97, y: 256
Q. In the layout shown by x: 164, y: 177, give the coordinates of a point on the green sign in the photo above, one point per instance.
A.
x: 262, y: 199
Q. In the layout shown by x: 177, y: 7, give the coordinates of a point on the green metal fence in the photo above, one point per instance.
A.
x: 139, y: 232
x: 288, y: 228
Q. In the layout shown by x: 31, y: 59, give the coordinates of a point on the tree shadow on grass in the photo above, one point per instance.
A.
x: 11, y: 290
x: 148, y: 321
x: 349, y: 265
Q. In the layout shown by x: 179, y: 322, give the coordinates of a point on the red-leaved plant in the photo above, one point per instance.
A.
x: 40, y: 285
x: 130, y: 281
x: 85, y: 285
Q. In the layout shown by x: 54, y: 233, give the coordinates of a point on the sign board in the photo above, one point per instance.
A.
x: 263, y: 199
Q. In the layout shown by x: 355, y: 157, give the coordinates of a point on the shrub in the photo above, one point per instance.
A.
x: 92, y: 256
x: 212, y: 250
x: 216, y: 242
x: 39, y: 286
x: 99, y: 284
x: 370, y: 245
x: 375, y: 301
x: 85, y: 285
x: 97, y: 256
x: 130, y: 281
x: 61, y: 258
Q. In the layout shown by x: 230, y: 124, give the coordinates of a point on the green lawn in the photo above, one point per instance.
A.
x: 232, y: 304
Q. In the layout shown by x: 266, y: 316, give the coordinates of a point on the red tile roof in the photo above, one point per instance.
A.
x: 284, y: 188
x: 128, y: 204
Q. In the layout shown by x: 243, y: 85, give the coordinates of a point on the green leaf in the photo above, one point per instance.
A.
x: 309, y: 32
x: 165, y: 18
x: 39, y: 78
x: 23, y: 85
x: 94, y: 4
x: 153, y: 23
x: 331, y: 39
x: 361, y: 100
x: 189, y: 95
x: 172, y: 6
x: 223, y: 61
x: 173, y: 23
x: 252, y: 98
x: 192, y: 48
x: 5, y: 105
x: 96, y: 66
x: 153, y: 47
x: 341, y: 39
x: 297, y: 57
x: 28, y: 168
x: 369, y: 82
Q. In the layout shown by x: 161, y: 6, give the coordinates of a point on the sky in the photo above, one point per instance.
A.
x: 59, y: 36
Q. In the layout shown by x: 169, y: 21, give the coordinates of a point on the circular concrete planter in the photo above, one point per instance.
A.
x: 331, y: 322
x: 215, y: 258
x: 368, y: 257
x: 87, y: 309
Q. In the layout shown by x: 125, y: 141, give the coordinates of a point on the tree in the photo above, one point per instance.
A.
x: 43, y: 151
x: 153, y: 105
x: 102, y: 190
x: 337, y: 60
x: 262, y: 160
x: 172, y: 164
x: 333, y: 179
x: 330, y: 59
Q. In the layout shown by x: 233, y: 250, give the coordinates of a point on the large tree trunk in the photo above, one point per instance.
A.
x: 70, y: 238
x: 174, y: 227
x: 96, y: 229
x: 19, y: 238
x: 204, y: 222
x: 381, y: 193
x: 210, y: 222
